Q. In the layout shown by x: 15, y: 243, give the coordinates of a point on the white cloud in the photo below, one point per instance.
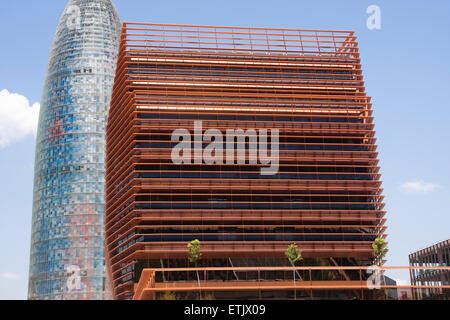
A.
x: 18, y: 118
x: 418, y: 187
x: 9, y: 276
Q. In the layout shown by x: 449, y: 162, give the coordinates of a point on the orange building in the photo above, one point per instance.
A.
x: 326, y: 195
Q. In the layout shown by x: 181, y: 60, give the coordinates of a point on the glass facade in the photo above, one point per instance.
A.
x: 67, y: 245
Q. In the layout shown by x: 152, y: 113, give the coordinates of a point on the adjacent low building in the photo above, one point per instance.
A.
x: 435, y: 256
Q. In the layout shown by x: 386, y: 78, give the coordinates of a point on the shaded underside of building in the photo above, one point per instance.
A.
x: 326, y: 196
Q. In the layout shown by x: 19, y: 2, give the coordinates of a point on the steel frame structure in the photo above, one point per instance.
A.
x: 327, y: 196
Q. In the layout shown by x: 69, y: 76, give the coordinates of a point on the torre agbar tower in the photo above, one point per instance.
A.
x: 326, y: 197
x: 67, y: 243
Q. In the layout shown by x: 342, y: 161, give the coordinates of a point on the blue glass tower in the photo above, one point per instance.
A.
x: 67, y: 251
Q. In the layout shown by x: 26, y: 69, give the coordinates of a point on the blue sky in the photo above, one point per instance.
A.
x: 406, y: 67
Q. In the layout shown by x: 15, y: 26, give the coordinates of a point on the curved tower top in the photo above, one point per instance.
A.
x: 67, y: 251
